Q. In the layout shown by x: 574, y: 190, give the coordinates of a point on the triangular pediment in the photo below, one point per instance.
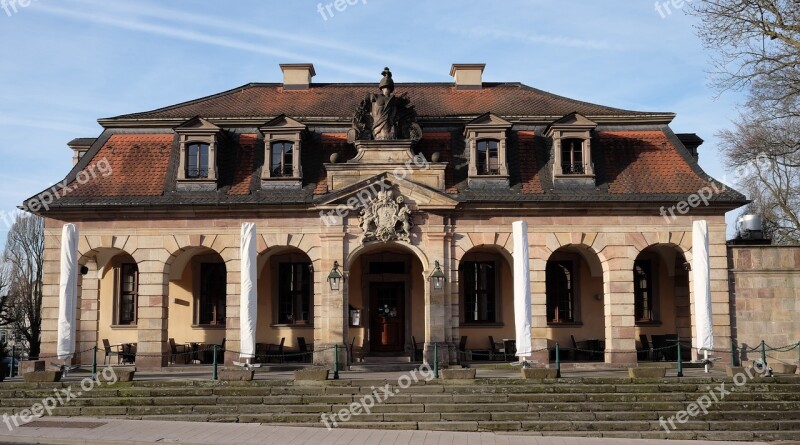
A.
x: 196, y: 124
x: 489, y: 120
x: 416, y: 195
x: 574, y: 119
x: 282, y: 122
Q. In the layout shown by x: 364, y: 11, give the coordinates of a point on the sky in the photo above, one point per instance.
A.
x: 66, y: 63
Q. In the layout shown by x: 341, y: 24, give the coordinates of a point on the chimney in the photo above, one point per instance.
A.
x: 692, y: 142
x: 297, y: 76
x: 468, y: 76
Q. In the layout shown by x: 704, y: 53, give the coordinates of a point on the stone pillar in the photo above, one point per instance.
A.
x: 50, y: 275
x: 539, y: 255
x: 152, y: 348
x: 435, y: 299
x: 330, y: 306
x: 618, y: 302
x: 88, y: 305
x: 720, y: 296
x: 232, y: 300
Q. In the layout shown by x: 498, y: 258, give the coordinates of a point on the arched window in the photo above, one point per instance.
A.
x: 197, y: 161
x: 560, y: 287
x: 294, y: 293
x: 572, y: 157
x: 480, y: 302
x: 644, y: 300
x: 127, y: 294
x: 282, y: 164
x: 487, y: 160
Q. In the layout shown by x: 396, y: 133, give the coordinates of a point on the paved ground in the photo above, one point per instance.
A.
x: 88, y: 431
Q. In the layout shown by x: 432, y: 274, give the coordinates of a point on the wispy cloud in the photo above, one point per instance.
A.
x: 205, y: 37
x: 528, y: 38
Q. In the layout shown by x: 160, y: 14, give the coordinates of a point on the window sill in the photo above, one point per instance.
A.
x: 564, y: 324
x: 482, y: 325
x: 292, y: 325
x: 209, y: 326
x: 123, y: 326
x: 649, y: 323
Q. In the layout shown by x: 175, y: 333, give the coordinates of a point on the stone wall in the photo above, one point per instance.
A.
x: 765, y: 298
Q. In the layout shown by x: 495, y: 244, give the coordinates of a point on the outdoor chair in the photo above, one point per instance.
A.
x: 276, y: 351
x: 357, y: 353
x: 494, y: 351
x: 659, y: 345
x: 111, y: 351
x: 463, y: 355
x: 129, y: 353
x: 645, y: 352
x: 416, y: 350
x: 305, y: 356
x: 179, y: 351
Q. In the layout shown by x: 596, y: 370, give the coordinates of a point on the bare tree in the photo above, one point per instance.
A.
x: 21, y: 307
x: 757, y: 47
x: 756, y: 42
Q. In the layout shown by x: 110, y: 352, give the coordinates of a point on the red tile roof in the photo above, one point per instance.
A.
x: 341, y: 100
x: 645, y: 162
x: 440, y: 142
x: 245, y: 161
x: 138, y: 167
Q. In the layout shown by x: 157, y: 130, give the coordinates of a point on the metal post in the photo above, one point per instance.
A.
x: 336, y: 361
x: 558, y: 361
x: 680, y: 360
x: 763, y: 354
x: 94, y: 361
x: 733, y: 354
x: 436, y: 360
x: 13, y: 352
x: 214, y: 362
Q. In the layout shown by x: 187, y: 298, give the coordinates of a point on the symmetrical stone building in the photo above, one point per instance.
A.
x: 393, y: 184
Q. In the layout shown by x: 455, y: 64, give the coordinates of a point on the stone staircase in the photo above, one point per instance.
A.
x: 764, y: 409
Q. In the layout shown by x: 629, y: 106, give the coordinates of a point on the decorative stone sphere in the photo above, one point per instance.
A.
x: 435, y: 157
x: 334, y: 157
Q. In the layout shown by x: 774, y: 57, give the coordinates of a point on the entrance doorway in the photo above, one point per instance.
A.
x: 388, y: 318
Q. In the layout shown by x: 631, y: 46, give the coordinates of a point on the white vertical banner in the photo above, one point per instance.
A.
x: 248, y: 303
x: 67, y: 293
x: 522, y: 289
x: 701, y: 274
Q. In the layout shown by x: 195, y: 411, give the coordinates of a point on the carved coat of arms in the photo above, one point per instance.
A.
x: 385, y: 219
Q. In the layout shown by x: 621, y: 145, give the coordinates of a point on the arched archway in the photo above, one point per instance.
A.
x: 386, y: 285
x: 486, y: 301
x: 197, y: 299
x: 662, y: 307
x: 286, y: 300
x: 575, y: 312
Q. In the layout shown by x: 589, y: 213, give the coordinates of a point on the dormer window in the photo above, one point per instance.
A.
x: 197, y: 161
x: 572, y: 162
x: 282, y: 165
x: 488, y: 160
x: 486, y: 141
x: 199, y: 140
x: 572, y: 150
x: 282, y: 148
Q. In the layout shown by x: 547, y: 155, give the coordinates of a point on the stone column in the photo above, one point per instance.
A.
x: 435, y: 299
x: 232, y: 300
x: 50, y: 275
x: 152, y: 348
x: 330, y: 306
x: 539, y: 255
x: 618, y: 302
x: 88, y: 305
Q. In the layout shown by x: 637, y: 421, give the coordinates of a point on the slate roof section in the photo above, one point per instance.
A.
x: 263, y: 100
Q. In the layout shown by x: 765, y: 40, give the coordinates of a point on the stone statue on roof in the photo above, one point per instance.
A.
x: 384, y: 116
